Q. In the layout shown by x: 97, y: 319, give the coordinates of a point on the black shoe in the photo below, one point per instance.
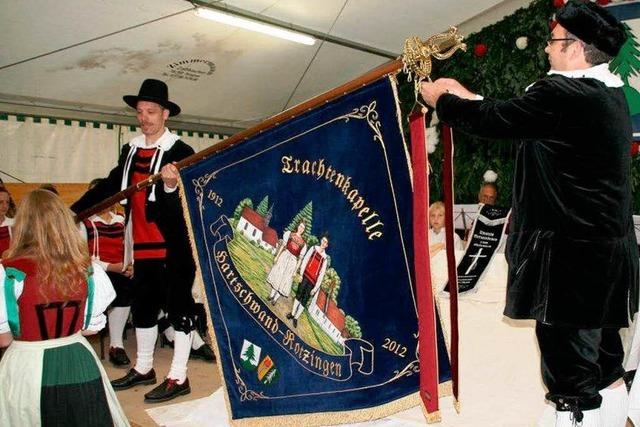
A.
x: 169, y: 389
x: 118, y: 357
x: 295, y: 322
x: 134, y: 378
x: 204, y: 352
x: 289, y: 316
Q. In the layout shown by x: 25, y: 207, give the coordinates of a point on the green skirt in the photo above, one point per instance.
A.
x: 57, y: 382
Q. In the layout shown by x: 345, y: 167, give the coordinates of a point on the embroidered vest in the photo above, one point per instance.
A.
x: 148, y: 242
x: 110, y: 241
x: 295, y: 244
x: 312, y: 271
x: 36, y: 317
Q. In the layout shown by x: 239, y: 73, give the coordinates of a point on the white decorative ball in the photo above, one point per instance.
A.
x: 432, y: 139
x: 434, y: 119
x: 490, y: 176
x: 522, y: 42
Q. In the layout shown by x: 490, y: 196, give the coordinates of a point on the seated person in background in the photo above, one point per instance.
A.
x: 436, y: 230
x: 104, y: 233
x: 50, y: 295
x: 488, y: 193
x: 5, y: 221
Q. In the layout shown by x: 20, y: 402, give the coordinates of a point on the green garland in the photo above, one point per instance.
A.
x: 504, y: 72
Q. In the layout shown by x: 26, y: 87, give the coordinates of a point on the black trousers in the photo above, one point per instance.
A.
x: 303, y: 294
x: 124, y: 289
x: 577, y: 363
x: 157, y: 286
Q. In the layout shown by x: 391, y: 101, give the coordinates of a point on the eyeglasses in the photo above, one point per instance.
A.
x: 550, y: 41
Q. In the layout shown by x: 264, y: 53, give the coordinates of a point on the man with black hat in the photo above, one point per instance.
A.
x: 572, y: 252
x: 156, y: 239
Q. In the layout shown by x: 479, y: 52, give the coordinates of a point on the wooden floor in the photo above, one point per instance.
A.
x: 203, y: 376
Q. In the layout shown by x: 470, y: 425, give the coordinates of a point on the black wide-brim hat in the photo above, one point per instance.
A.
x: 593, y: 24
x: 154, y: 91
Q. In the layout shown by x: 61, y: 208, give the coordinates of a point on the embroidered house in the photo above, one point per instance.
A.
x: 329, y: 316
x: 256, y: 228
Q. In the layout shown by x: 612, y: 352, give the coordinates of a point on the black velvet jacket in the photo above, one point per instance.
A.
x: 572, y: 251
x: 166, y: 211
x: 111, y: 184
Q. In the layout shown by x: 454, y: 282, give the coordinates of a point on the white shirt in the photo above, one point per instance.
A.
x: 440, y: 238
x: 7, y: 222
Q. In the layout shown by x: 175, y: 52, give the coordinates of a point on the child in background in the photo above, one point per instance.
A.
x: 436, y: 230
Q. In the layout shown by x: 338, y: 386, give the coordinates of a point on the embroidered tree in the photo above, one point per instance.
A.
x: 353, y: 327
x: 269, y: 377
x: 263, y: 206
x: 249, y: 355
x: 331, y: 286
x: 306, y: 215
x: 627, y: 65
x: 241, y: 205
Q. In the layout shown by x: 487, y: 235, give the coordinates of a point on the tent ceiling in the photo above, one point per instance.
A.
x: 83, y: 55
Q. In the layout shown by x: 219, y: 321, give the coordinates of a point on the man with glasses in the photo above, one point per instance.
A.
x: 572, y: 252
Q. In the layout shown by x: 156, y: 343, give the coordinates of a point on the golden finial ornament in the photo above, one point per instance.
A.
x: 416, y: 55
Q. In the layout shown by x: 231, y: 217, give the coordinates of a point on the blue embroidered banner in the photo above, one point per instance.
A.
x: 304, y: 240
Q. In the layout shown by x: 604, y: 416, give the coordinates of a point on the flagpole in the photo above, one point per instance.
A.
x: 385, y: 69
x: 415, y: 61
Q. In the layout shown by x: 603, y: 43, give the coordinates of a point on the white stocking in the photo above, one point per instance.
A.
x: 181, y: 350
x: 591, y: 419
x: 117, y: 320
x: 146, y: 342
x: 299, y: 312
x: 197, y: 341
x: 615, y: 405
x: 170, y: 333
x: 296, y: 304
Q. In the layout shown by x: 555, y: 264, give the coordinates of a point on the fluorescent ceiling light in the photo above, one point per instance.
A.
x: 251, y: 25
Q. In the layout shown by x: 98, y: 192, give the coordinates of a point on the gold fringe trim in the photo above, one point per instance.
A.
x: 433, y: 417
x: 444, y: 325
x: 199, y: 283
x: 333, y: 418
x: 394, y: 82
x: 456, y: 405
x: 445, y: 388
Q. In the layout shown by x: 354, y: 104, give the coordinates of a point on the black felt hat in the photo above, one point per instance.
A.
x: 155, y: 91
x: 593, y: 24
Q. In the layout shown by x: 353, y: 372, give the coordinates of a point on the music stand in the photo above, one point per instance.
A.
x: 464, y: 215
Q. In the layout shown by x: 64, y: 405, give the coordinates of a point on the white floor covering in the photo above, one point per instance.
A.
x: 500, y: 383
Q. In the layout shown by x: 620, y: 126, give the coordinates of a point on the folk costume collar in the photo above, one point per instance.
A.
x: 599, y: 72
x: 113, y: 218
x: 163, y: 144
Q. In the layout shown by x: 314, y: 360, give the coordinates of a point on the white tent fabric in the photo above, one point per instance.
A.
x: 45, y: 152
